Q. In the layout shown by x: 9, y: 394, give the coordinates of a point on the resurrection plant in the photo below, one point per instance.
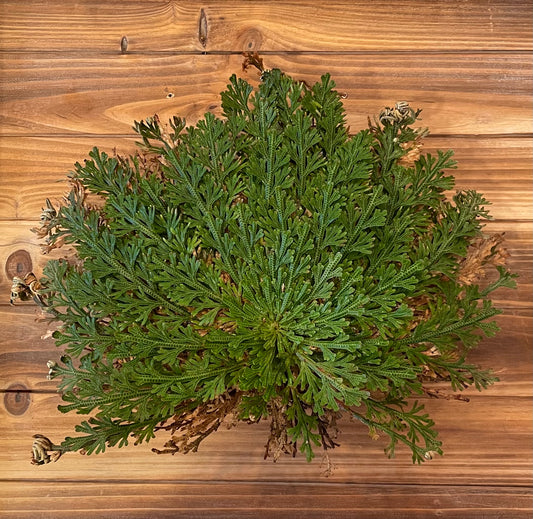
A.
x: 267, y: 265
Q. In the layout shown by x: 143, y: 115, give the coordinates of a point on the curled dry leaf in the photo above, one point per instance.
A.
x: 483, y: 253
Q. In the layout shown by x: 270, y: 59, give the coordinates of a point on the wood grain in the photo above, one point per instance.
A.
x: 19, y: 241
x: 66, y: 85
x: 24, y: 352
x: 35, y: 168
x: 270, y: 499
x: 18, y: 238
x: 467, y: 94
x: 472, y: 456
x: 158, y: 26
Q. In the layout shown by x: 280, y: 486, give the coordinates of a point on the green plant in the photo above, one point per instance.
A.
x: 266, y: 265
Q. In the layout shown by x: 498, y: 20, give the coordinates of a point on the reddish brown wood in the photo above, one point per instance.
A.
x: 35, y: 168
x: 486, y: 442
x: 266, y: 499
x: 68, y: 83
x: 466, y: 93
x: 161, y: 26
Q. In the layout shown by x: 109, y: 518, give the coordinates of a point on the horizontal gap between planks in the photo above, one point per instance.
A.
x: 274, y: 482
x: 417, y: 397
x: 492, y: 136
x: 523, y: 311
x: 482, y: 221
x: 404, y: 52
x: 33, y: 391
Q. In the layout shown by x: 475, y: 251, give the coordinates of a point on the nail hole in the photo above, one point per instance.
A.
x: 170, y: 95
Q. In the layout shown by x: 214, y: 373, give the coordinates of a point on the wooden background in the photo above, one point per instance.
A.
x: 66, y: 86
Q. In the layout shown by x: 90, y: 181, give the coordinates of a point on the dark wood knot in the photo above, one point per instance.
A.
x: 124, y: 44
x: 17, y: 399
x: 18, y: 264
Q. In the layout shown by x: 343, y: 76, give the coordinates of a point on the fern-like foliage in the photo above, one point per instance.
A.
x: 265, y: 265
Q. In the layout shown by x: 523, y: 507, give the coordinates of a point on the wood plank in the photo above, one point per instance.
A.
x: 486, y: 442
x: 266, y: 499
x: 467, y: 94
x: 355, y: 25
x: 24, y: 353
x: 465, y: 62
x: 520, y: 248
x: 500, y: 168
x: 34, y: 168
x: 98, y: 26
x: 20, y: 253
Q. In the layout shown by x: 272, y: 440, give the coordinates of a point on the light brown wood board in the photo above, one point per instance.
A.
x: 66, y: 85
x: 471, y: 93
x: 156, y: 26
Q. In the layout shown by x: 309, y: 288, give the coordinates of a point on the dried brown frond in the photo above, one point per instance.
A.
x: 412, y: 153
x: 328, y: 429
x: 483, y: 253
x: 48, y: 220
x: 439, y: 393
x: 252, y: 59
x: 189, y: 428
x: 241, y: 198
x: 278, y: 442
x: 419, y: 306
x: 118, y: 363
x: 413, y: 149
x: 327, y: 465
x: 225, y: 278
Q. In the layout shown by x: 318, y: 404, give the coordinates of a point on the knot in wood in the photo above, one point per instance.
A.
x: 17, y: 399
x: 18, y: 264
